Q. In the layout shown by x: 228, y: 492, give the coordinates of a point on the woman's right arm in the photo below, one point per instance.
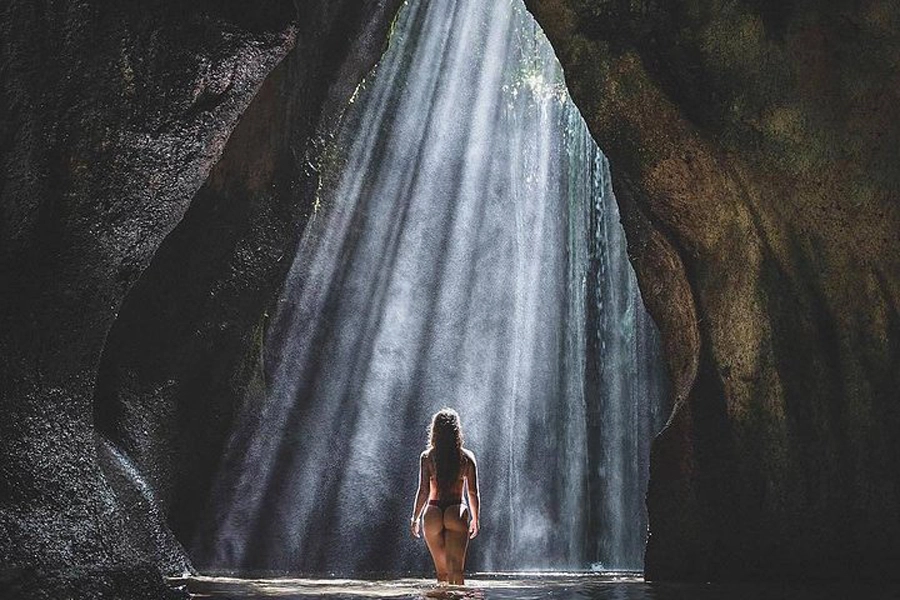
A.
x: 421, y: 495
x: 474, y: 496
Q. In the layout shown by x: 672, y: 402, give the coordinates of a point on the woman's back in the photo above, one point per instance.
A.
x: 449, y: 487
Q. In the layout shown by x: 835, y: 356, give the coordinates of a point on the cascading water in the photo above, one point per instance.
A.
x: 466, y: 253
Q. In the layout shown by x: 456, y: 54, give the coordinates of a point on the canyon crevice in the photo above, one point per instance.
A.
x: 159, y: 164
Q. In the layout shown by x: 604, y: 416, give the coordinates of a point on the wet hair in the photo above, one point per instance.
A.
x: 445, y: 444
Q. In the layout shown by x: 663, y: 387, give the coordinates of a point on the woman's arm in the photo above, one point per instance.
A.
x: 421, y: 495
x: 474, y: 496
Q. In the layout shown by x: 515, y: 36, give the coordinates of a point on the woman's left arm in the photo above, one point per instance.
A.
x: 474, y: 497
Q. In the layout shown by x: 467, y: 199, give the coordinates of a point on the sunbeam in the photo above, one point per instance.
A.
x: 466, y: 251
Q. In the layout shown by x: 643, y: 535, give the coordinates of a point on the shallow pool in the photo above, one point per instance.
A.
x: 522, y: 586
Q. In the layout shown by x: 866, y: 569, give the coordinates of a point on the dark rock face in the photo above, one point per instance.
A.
x: 753, y: 147
x: 114, y: 120
x: 186, y: 347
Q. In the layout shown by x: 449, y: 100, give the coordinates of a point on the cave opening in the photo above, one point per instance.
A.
x: 465, y: 250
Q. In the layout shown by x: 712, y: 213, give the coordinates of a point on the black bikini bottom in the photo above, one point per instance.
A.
x: 442, y: 504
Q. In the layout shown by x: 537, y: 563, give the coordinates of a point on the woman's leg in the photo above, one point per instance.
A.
x: 456, y: 536
x: 433, y: 524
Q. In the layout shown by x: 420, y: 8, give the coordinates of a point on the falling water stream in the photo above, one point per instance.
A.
x: 466, y: 251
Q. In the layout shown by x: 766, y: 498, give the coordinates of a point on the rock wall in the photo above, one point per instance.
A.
x: 115, y: 118
x: 753, y: 147
x: 185, y: 350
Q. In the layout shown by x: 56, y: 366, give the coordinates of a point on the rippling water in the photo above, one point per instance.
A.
x: 523, y: 586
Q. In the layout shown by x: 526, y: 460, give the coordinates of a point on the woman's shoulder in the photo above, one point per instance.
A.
x: 470, y: 456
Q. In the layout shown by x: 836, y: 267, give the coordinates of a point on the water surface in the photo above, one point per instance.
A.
x: 525, y: 586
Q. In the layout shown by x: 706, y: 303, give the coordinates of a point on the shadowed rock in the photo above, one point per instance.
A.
x: 113, y: 118
x: 753, y: 154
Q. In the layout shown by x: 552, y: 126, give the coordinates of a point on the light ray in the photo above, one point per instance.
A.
x: 467, y: 253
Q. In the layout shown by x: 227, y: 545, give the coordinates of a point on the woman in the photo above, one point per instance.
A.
x: 444, y: 469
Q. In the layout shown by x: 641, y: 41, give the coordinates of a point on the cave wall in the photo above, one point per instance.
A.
x: 185, y: 353
x: 113, y: 121
x: 753, y: 146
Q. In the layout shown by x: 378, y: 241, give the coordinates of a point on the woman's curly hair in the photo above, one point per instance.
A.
x: 445, y: 444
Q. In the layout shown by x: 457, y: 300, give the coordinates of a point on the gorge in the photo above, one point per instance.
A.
x: 162, y: 162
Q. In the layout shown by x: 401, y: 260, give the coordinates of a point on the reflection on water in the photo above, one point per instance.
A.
x: 523, y: 586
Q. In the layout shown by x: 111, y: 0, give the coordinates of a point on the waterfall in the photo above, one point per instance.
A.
x: 465, y: 251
